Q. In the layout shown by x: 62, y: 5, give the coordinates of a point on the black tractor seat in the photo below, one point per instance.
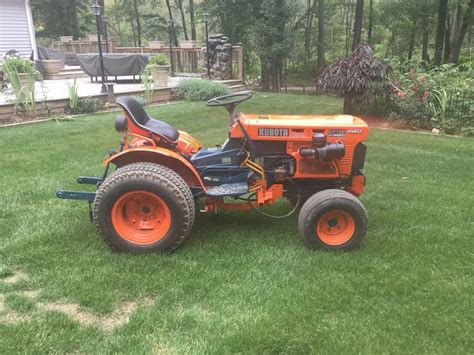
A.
x: 139, y: 116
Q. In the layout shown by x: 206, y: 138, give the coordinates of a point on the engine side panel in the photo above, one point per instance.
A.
x: 271, y: 133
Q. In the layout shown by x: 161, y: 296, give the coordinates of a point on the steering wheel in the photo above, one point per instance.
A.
x: 231, y: 99
x: 230, y: 102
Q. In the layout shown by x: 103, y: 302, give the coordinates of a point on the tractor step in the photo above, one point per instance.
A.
x: 235, y: 189
x: 76, y: 195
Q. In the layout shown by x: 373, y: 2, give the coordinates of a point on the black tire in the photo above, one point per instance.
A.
x: 161, y: 182
x: 324, y: 203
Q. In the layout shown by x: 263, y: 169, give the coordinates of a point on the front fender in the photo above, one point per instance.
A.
x: 160, y: 156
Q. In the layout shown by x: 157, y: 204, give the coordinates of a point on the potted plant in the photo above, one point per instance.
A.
x: 51, y: 66
x: 156, y: 44
x: 21, y: 74
x: 158, y: 66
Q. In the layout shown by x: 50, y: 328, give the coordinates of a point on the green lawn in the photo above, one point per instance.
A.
x: 242, y: 283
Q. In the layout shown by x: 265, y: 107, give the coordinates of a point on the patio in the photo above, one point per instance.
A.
x: 48, y: 90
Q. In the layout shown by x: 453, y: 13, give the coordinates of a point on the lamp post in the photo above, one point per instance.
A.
x: 170, y: 27
x: 205, y: 18
x: 106, y: 36
x: 97, y: 11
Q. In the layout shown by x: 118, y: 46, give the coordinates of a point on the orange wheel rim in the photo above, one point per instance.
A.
x: 335, y: 227
x: 141, y: 217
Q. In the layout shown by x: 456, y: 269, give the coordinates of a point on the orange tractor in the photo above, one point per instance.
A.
x: 148, y: 202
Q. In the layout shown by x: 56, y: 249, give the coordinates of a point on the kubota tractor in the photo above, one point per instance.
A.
x: 148, y: 202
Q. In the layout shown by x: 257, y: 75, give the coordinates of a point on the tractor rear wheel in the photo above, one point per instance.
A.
x: 144, y: 207
x: 333, y: 219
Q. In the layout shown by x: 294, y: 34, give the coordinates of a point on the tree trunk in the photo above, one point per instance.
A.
x: 457, y: 43
x: 321, y: 58
x: 440, y: 31
x: 447, y: 40
x: 134, y: 35
x: 174, y: 38
x: 179, y: 3
x: 348, y: 104
x: 307, y: 32
x: 73, y: 18
x: 265, y: 76
x: 425, y: 41
x: 358, y: 23
x: 371, y: 21
x: 347, y: 16
x: 191, y: 19
x: 411, y: 44
x: 276, y: 75
x: 137, y: 20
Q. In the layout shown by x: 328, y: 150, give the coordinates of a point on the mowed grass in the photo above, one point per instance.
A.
x: 242, y: 283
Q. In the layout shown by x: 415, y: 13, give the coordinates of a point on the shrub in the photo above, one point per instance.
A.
x: 21, y: 74
x: 160, y: 59
x: 352, y: 77
x: 199, y: 89
x: 440, y: 97
x: 85, y: 105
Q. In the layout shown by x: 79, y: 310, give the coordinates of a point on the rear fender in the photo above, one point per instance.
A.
x: 160, y: 156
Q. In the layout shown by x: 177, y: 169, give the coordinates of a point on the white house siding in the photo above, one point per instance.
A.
x: 16, y: 28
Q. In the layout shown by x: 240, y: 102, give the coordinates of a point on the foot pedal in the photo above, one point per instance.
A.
x: 228, y: 190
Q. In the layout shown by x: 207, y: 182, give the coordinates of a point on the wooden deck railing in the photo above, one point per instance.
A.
x: 83, y: 46
x: 186, y: 60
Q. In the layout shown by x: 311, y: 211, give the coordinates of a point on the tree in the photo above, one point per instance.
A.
x: 440, y: 31
x: 320, y: 47
x: 138, y: 23
x: 61, y: 18
x: 191, y: 19
x: 461, y: 33
x: 173, y: 28
x: 273, y: 41
x: 179, y: 4
x: 411, y: 44
x: 371, y: 21
x: 358, y: 23
x: 352, y: 77
x: 307, y: 30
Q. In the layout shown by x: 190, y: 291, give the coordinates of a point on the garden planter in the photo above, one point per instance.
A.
x: 66, y: 38
x: 52, y: 66
x: 156, y: 44
x: 24, y: 82
x: 160, y: 75
x: 188, y: 44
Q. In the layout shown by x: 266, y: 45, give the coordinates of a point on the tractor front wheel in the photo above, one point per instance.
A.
x: 333, y: 219
x: 144, y: 207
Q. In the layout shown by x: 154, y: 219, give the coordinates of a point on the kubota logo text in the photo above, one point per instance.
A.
x: 273, y: 132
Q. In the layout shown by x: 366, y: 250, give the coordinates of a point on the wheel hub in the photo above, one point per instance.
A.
x: 141, y: 217
x: 335, y: 227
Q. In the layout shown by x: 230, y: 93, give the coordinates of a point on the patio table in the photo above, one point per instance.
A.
x: 114, y: 64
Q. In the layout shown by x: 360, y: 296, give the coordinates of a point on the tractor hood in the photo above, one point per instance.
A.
x: 308, y: 121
